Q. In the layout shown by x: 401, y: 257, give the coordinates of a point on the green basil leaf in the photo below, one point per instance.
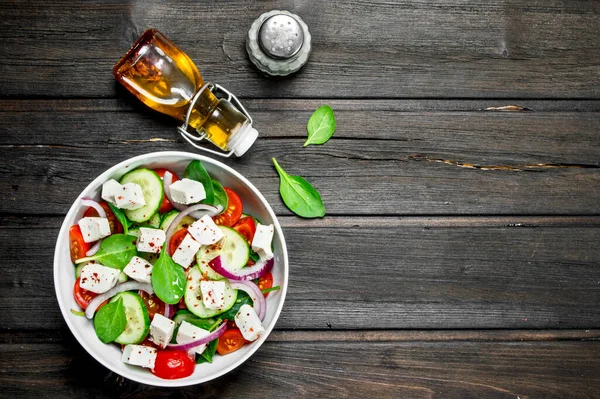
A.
x: 321, y: 126
x: 120, y: 215
x: 220, y: 196
x: 298, y: 195
x: 110, y: 321
x: 196, y: 171
x: 168, y: 279
x: 115, y: 251
x: 242, y: 299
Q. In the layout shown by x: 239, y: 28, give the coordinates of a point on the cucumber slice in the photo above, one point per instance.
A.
x: 193, y: 296
x: 138, y: 322
x: 152, y: 188
x: 168, y: 218
x: 233, y: 249
x: 154, y: 221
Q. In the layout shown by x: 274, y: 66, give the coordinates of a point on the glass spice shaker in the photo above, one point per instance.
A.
x: 163, y: 77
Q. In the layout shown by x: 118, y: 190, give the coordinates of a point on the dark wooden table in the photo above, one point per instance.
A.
x: 460, y: 253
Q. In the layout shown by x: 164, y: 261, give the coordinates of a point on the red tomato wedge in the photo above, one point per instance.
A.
x: 265, y: 282
x: 153, y: 304
x: 78, y: 247
x: 113, y: 222
x: 171, y: 364
x: 230, y: 341
x: 230, y: 216
x: 82, y: 297
x: 176, y: 239
x: 166, y: 205
x: 246, y: 227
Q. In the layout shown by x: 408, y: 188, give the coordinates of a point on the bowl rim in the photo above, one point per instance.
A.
x: 66, y: 313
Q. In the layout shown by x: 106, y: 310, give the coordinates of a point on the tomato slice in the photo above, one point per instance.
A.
x: 166, y: 205
x: 115, y: 226
x: 246, y: 227
x: 172, y: 364
x: 82, y: 296
x: 176, y: 239
x: 153, y: 303
x: 78, y: 247
x: 230, y: 341
x: 265, y: 282
x: 230, y: 216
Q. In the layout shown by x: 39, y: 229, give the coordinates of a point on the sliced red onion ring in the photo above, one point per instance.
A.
x: 127, y: 286
x: 260, y: 305
x: 209, y: 210
x: 247, y: 273
x: 213, y: 335
x: 91, y: 203
x: 92, y: 251
x: 167, y: 181
x: 169, y: 311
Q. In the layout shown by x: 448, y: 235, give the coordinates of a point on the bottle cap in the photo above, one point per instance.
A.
x: 243, y: 140
x: 278, y: 43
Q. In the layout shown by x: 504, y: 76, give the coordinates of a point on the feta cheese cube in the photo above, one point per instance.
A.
x: 139, y: 269
x: 261, y: 243
x: 150, y: 240
x: 248, y: 322
x: 213, y: 294
x: 186, y: 251
x: 188, y: 332
x: 205, y: 231
x: 130, y: 197
x: 98, y: 278
x: 187, y: 191
x: 139, y: 355
x: 110, y: 190
x: 94, y: 228
x: 161, y: 330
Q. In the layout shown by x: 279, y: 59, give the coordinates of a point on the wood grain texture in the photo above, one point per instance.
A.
x: 411, y: 162
x: 392, y: 49
x: 389, y: 276
x: 291, y: 368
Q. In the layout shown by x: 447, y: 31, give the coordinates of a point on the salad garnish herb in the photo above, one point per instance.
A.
x: 115, y: 251
x: 168, y: 279
x: 110, y: 321
x: 321, y: 126
x: 299, y: 195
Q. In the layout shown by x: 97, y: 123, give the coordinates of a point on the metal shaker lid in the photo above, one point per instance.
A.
x: 278, y: 43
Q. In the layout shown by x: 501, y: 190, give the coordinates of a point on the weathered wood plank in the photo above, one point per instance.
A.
x: 408, y: 49
x: 412, y: 162
x: 331, y: 369
x: 387, y: 277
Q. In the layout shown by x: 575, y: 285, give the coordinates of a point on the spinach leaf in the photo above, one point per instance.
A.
x: 242, y: 299
x: 220, y: 196
x: 298, y: 195
x: 208, y: 353
x: 110, y: 321
x: 168, y: 279
x: 254, y: 256
x: 115, y: 251
x: 321, y: 126
x: 196, y: 171
x: 120, y: 215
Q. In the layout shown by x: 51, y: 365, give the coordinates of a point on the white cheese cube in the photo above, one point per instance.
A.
x: 248, y: 322
x: 139, y: 355
x: 187, y: 191
x: 188, y: 332
x: 150, y: 240
x: 261, y: 243
x: 213, y: 294
x: 130, y: 197
x: 94, y: 228
x: 139, y: 269
x: 186, y: 251
x: 110, y: 190
x: 161, y: 330
x: 205, y: 231
x: 98, y: 278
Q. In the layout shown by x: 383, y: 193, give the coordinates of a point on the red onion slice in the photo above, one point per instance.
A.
x: 167, y: 181
x: 247, y: 273
x: 127, y: 286
x: 204, y: 340
x: 169, y: 311
x: 209, y: 210
x: 92, y: 251
x: 91, y: 203
x: 260, y: 305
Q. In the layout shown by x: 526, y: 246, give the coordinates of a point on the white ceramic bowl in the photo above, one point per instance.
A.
x: 64, y: 271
